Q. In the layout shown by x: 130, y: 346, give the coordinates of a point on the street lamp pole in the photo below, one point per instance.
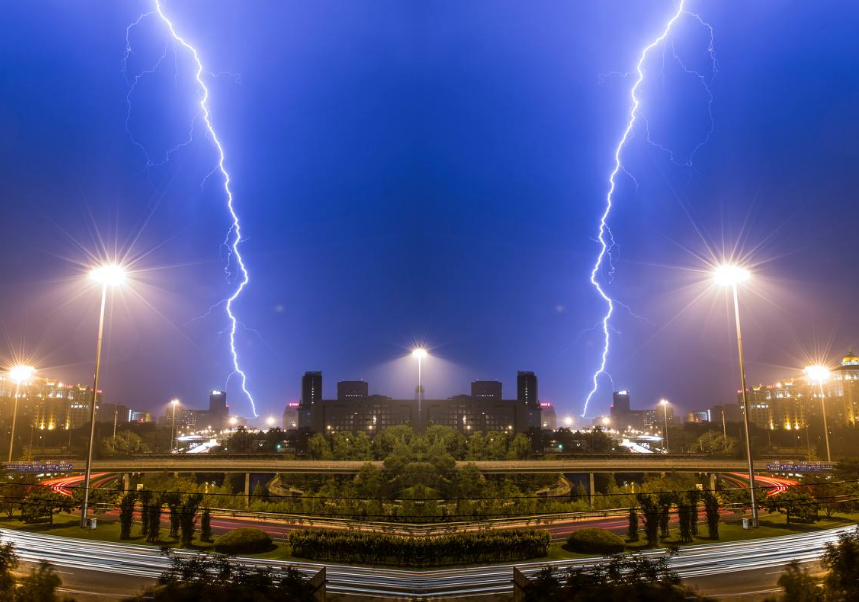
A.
x: 420, y: 353
x: 825, y: 427
x: 745, y: 406
x: 106, y: 275
x: 174, y: 403
x: 731, y: 275
x: 664, y: 403
x: 818, y: 375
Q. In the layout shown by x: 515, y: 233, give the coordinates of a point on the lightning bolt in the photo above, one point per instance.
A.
x: 605, y: 238
x: 234, y: 235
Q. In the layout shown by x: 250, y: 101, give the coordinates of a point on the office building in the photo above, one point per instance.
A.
x: 483, y: 411
x: 352, y: 389
x: 290, y: 416
x: 486, y: 389
x: 548, y: 416
x: 526, y: 389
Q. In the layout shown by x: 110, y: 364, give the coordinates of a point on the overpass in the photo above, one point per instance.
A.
x: 606, y: 464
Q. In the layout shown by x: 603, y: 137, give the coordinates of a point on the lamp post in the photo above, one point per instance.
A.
x: 733, y: 275
x: 174, y: 403
x: 664, y: 404
x: 818, y: 375
x: 420, y: 353
x: 19, y: 374
x: 271, y: 421
x: 109, y: 275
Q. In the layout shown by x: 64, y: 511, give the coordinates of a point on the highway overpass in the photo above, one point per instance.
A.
x: 215, y: 464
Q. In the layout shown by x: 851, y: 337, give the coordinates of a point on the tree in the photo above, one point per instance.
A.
x: 154, y: 512
x: 145, y: 500
x: 126, y: 514
x: 621, y: 579
x: 684, y: 516
x: 188, y: 517
x: 841, y: 559
x: 715, y: 443
x: 520, y: 447
x: 799, y: 585
x: 42, y: 502
x: 126, y: 443
x: 40, y: 585
x: 14, y: 491
x: 318, y: 448
x: 8, y: 563
x: 206, y: 525
x: 711, y: 511
x: 794, y: 503
x: 632, y: 528
x: 651, y: 512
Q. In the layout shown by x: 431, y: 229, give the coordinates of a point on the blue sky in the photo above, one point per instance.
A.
x: 429, y: 171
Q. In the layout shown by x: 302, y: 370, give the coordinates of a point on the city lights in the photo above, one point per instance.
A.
x: 818, y: 375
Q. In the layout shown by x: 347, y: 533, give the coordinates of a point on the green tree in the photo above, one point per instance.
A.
x: 8, y: 563
x: 318, y: 448
x: 799, y: 585
x: 650, y: 511
x: 43, y: 502
x: 632, y: 525
x: 126, y: 443
x: 188, y: 517
x: 711, y: 511
x: 794, y: 503
x: 40, y: 585
x: 206, y: 525
x: 715, y: 443
x: 841, y: 559
x: 520, y: 447
x: 126, y: 514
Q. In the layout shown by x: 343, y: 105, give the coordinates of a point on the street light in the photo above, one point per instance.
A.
x: 19, y: 374
x: 109, y: 275
x: 270, y: 421
x: 568, y: 421
x: 664, y: 404
x: 174, y: 403
x: 818, y: 375
x: 419, y: 353
x: 733, y: 275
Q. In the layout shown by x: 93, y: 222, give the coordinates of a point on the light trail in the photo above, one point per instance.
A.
x: 233, y: 238
x: 606, y: 239
x: 692, y: 561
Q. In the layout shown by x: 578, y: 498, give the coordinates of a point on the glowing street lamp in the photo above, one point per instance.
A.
x: 174, y: 403
x: 109, y: 275
x: 19, y: 374
x: 732, y: 275
x: 270, y: 421
x: 419, y: 353
x: 568, y: 421
x: 818, y: 375
x: 664, y: 404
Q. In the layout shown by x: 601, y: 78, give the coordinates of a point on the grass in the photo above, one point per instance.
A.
x: 770, y: 525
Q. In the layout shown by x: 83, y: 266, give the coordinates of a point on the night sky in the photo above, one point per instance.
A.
x: 429, y: 172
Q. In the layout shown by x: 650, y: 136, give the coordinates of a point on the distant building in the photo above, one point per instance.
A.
x: 140, y: 416
x: 698, y: 416
x: 548, y: 416
x: 352, y: 389
x: 485, y: 412
x: 486, y: 389
x: 290, y: 416
x: 526, y: 389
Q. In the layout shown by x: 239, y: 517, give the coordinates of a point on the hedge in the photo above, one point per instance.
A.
x: 436, y: 550
x: 595, y: 541
x: 243, y: 541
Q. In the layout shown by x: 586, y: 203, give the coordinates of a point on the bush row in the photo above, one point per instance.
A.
x: 437, y: 550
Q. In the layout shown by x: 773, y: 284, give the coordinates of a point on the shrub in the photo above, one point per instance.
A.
x: 595, y: 541
x: 243, y: 541
x: 434, y: 550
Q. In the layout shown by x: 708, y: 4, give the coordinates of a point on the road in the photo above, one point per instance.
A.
x: 608, y: 464
x: 762, y: 558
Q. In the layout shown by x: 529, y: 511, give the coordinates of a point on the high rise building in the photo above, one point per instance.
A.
x: 620, y: 402
x: 352, y: 389
x: 486, y: 389
x: 548, y: 416
x: 290, y: 416
x: 311, y: 395
x: 526, y: 389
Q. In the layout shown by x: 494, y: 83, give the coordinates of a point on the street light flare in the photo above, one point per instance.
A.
x: 730, y: 274
x: 21, y: 373
x: 419, y: 353
x: 108, y: 274
x: 817, y: 374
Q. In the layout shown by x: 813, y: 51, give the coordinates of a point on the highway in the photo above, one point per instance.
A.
x: 607, y: 464
x: 695, y: 564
